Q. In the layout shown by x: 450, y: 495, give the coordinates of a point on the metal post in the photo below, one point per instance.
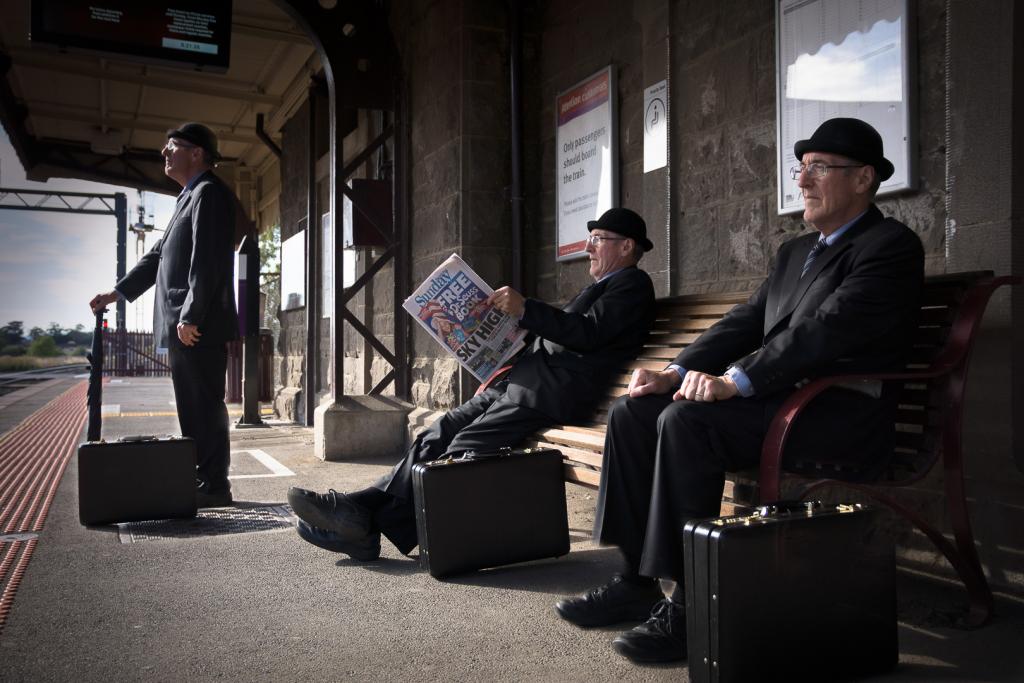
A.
x: 94, y: 397
x: 121, y: 212
x: 249, y: 323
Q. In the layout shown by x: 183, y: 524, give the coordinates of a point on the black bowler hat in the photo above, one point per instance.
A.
x: 851, y: 138
x: 199, y: 135
x: 623, y: 222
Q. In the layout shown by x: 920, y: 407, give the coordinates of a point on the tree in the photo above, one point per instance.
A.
x: 80, y: 336
x: 36, y: 333
x: 60, y: 335
x: 270, y: 252
x: 43, y: 347
x: 12, y: 334
x: 270, y: 274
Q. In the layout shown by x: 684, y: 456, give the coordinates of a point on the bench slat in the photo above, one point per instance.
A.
x: 571, y: 455
x: 583, y: 476
x: 592, y: 440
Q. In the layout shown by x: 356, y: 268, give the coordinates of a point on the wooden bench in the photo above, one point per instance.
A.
x: 928, y: 424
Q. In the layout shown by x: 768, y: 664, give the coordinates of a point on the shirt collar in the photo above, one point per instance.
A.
x: 831, y: 239
x: 608, y: 275
x: 193, y: 181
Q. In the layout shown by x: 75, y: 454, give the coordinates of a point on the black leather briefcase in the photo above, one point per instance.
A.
x: 797, y: 592
x: 136, y: 478
x: 489, y: 509
x: 133, y: 478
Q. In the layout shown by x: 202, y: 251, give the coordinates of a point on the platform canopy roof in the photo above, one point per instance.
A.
x: 72, y: 113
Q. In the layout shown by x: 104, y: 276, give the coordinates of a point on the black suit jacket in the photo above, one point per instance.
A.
x: 192, y: 266
x: 853, y: 311
x: 566, y: 369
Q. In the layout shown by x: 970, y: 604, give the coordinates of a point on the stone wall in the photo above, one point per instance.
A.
x: 724, y: 230
x: 291, y: 343
x: 712, y: 212
x: 454, y: 57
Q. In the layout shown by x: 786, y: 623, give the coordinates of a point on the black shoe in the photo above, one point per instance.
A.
x: 212, y: 499
x: 366, y: 549
x: 331, y: 511
x: 615, y: 602
x: 662, y: 638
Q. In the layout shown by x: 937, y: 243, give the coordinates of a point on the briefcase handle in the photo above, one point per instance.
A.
x: 787, y: 507
x: 486, y: 455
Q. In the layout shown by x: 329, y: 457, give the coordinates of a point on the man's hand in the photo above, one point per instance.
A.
x: 188, y: 334
x: 100, y: 301
x: 698, y: 386
x: 646, y: 381
x: 508, y: 301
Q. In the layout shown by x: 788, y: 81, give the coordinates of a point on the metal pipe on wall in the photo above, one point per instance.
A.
x: 312, y: 373
x: 668, y: 153
x: 261, y: 133
x: 515, y: 40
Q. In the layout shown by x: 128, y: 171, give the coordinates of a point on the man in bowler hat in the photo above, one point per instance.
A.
x: 840, y: 300
x: 558, y: 379
x: 194, y: 312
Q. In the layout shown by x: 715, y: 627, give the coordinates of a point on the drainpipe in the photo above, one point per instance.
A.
x: 312, y: 374
x: 515, y: 42
x: 266, y: 139
x: 668, y: 154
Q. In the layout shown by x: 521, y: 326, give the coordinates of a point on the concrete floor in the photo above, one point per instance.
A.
x: 266, y: 606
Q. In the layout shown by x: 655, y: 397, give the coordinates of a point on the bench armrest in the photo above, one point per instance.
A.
x: 778, y: 430
x: 495, y: 377
x: 951, y: 359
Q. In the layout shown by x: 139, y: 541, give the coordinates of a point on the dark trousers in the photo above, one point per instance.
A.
x: 199, y: 378
x: 483, y: 423
x: 665, y: 462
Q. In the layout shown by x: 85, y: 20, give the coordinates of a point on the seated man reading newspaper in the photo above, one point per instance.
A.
x: 557, y: 379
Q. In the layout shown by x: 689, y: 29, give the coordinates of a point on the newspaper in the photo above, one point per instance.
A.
x: 451, y: 306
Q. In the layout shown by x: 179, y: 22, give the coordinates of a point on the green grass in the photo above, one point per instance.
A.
x: 20, y: 363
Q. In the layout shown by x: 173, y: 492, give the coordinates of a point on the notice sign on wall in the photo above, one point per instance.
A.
x: 656, y: 126
x: 192, y: 34
x: 586, y: 159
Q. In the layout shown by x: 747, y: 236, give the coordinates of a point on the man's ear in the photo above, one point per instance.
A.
x: 865, y: 177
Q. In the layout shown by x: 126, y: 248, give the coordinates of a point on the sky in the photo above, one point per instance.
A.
x: 52, y: 264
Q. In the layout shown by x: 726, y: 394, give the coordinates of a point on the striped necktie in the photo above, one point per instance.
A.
x: 815, y: 251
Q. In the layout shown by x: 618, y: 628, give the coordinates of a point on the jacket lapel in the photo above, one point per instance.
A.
x: 797, y: 286
x: 582, y: 301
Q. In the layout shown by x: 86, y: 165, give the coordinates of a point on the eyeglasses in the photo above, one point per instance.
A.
x: 818, y: 169
x: 595, y: 240
x: 173, y: 144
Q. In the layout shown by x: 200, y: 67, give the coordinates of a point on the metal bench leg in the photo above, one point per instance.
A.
x: 966, y: 565
x: 971, y: 573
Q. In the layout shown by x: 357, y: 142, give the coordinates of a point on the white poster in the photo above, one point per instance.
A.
x: 843, y: 58
x: 656, y: 126
x: 293, y: 271
x: 586, y: 159
x: 326, y: 266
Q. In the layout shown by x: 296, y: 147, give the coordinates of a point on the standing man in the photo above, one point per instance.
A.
x: 194, y: 311
x: 559, y: 378
x: 839, y: 301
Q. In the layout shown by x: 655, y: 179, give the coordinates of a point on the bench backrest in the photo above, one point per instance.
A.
x: 923, y: 407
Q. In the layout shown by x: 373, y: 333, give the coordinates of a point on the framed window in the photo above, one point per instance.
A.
x: 844, y: 58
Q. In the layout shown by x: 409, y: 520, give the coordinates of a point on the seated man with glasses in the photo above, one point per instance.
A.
x: 557, y: 379
x: 843, y: 299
